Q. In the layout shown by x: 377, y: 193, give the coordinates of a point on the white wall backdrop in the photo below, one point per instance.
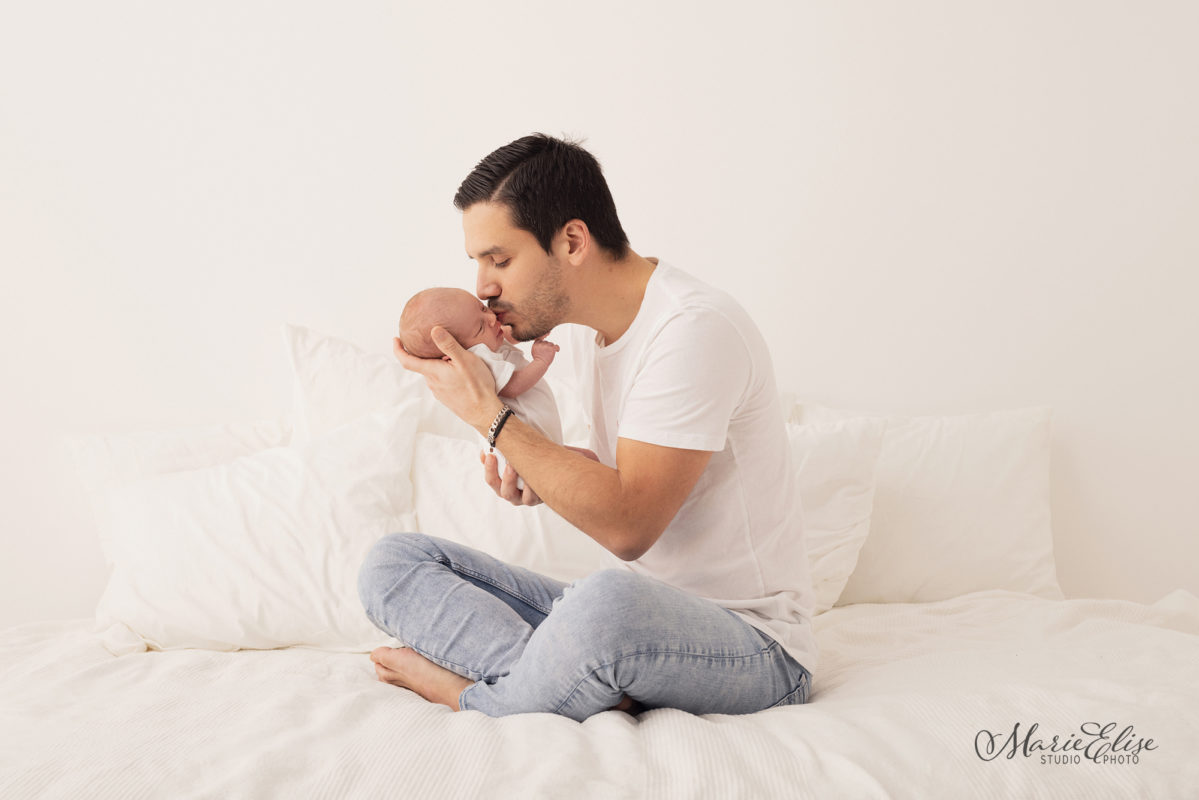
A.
x: 930, y: 207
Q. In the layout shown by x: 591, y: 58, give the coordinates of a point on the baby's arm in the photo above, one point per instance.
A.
x: 525, y: 378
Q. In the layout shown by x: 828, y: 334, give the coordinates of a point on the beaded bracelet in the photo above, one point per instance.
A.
x: 497, y: 424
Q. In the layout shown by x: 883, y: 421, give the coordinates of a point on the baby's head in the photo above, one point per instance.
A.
x: 456, y: 310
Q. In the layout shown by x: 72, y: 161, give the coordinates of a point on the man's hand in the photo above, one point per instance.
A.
x: 543, y: 350
x: 505, y: 485
x: 460, y: 381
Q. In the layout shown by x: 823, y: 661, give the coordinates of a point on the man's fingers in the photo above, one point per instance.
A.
x: 407, y: 360
x: 505, y: 485
x: 491, y: 474
x: 528, y: 496
x: 508, y: 489
x: 446, y: 342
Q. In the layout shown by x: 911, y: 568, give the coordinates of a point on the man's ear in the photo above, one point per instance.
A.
x: 573, y: 241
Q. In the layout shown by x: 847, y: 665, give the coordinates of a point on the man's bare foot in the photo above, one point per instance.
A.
x: 628, y: 705
x: 404, y: 667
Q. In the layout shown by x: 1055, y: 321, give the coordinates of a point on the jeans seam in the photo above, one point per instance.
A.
x: 639, y: 653
x: 447, y: 561
x: 487, y: 579
x: 445, y: 662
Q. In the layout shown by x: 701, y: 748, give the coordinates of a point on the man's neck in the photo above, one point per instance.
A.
x: 614, y: 291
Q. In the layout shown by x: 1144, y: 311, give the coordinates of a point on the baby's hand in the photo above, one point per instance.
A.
x: 544, y: 351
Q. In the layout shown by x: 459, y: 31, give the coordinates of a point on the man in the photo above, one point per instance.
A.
x: 708, y: 605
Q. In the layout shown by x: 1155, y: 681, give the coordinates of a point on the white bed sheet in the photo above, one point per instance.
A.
x: 902, y: 693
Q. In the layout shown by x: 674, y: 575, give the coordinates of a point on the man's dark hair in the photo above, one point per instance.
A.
x: 546, y: 182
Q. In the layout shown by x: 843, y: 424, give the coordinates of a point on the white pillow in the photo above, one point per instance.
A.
x: 453, y: 502
x: 835, y: 463
x: 336, y: 382
x: 961, y: 505
x: 107, y: 461
x: 264, y: 551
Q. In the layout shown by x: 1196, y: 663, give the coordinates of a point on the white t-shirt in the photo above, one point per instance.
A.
x: 692, y: 371
x: 536, y: 404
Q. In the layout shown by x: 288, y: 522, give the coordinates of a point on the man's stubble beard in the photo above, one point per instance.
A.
x: 544, y: 310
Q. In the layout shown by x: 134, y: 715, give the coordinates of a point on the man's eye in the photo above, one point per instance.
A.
x: 503, y: 263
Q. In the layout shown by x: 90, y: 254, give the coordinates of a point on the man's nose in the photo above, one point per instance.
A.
x: 485, y: 288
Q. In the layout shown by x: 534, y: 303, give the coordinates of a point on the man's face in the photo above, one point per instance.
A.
x: 517, y: 279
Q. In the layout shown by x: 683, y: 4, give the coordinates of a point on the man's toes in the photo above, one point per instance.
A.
x: 388, y: 656
x: 388, y: 676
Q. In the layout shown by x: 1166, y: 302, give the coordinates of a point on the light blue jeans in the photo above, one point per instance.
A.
x: 532, y: 643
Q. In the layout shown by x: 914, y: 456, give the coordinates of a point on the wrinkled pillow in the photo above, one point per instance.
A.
x: 104, y: 462
x: 335, y: 382
x: 961, y: 505
x: 836, y: 463
x: 263, y: 551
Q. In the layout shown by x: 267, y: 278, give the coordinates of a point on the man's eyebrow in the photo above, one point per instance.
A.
x: 488, y: 252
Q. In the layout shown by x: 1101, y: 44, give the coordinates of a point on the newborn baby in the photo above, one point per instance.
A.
x: 475, y: 327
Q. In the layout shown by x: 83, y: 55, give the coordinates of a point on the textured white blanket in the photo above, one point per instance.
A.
x: 908, y: 702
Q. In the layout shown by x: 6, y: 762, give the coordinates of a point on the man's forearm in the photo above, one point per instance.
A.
x: 584, y: 492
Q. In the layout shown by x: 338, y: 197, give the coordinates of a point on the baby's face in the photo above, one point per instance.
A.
x: 473, y: 323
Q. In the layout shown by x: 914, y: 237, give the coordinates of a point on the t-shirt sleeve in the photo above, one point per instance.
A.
x: 501, y: 368
x: 692, y: 376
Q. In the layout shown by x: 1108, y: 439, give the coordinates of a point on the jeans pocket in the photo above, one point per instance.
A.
x: 798, y: 695
x: 805, y: 687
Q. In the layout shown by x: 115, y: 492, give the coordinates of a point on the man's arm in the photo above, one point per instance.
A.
x: 624, y: 509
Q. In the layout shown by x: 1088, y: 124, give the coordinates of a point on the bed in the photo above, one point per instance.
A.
x: 227, y: 656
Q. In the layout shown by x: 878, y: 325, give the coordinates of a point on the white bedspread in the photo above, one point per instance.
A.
x: 902, y: 695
